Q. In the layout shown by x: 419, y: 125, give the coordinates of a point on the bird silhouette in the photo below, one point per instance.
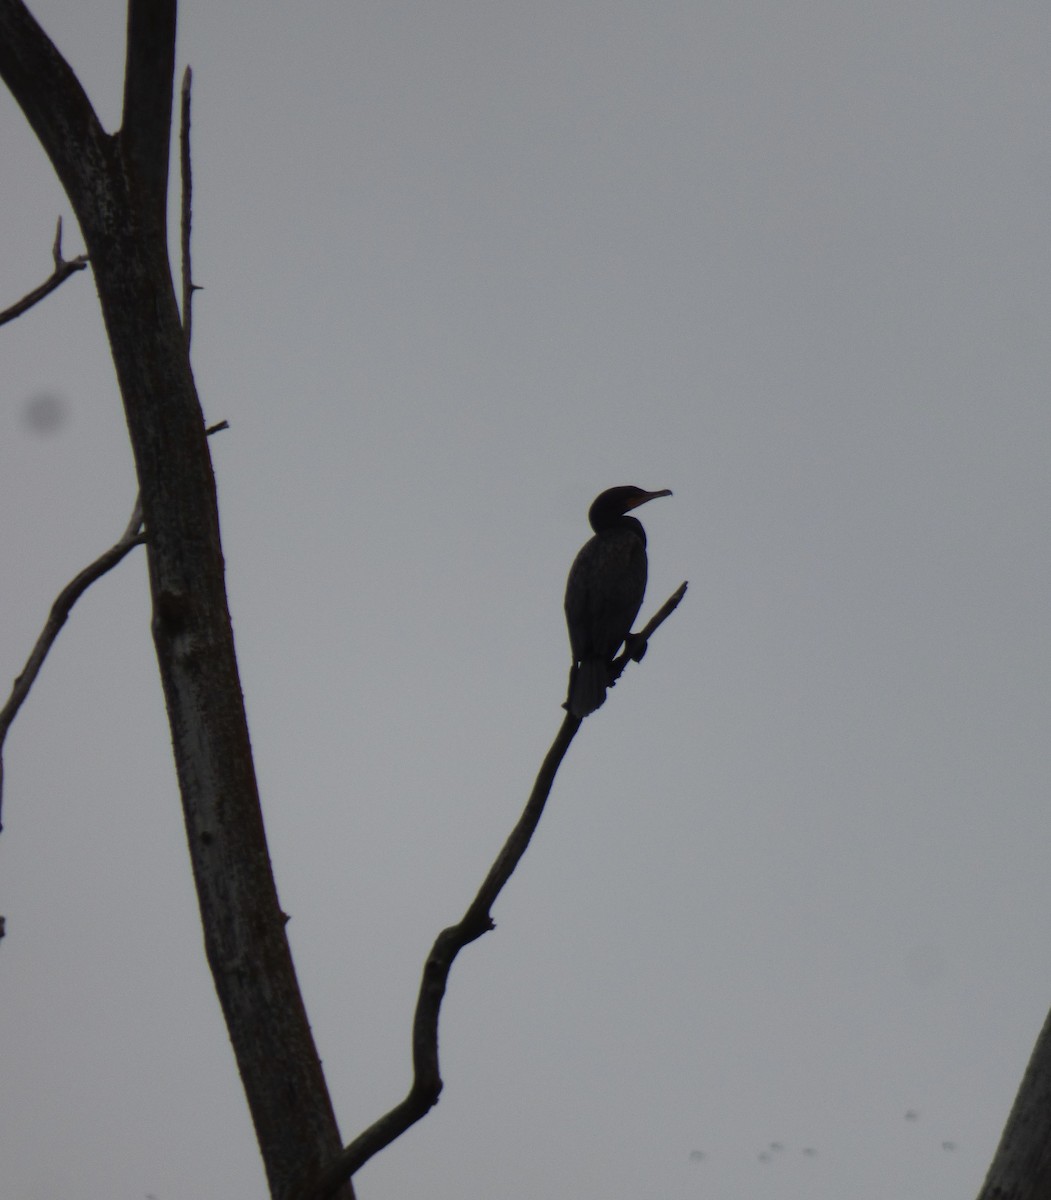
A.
x: 604, y: 593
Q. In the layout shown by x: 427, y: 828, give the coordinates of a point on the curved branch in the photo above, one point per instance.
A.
x: 476, y: 921
x: 58, y: 276
x: 427, y: 1082
x: 131, y: 537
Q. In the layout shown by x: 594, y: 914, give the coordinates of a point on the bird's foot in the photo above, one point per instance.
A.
x: 635, y: 647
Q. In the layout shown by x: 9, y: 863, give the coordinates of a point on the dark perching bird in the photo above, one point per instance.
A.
x: 604, y: 594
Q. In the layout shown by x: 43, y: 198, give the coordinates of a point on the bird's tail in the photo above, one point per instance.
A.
x: 588, y: 681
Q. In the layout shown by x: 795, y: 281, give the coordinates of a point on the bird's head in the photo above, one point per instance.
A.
x: 615, y: 502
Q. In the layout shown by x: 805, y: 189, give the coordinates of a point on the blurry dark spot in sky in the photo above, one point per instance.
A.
x: 45, y: 413
x: 696, y: 1156
x: 948, y: 1145
x: 912, y: 1115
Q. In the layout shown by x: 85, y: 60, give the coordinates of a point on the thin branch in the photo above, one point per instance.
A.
x: 427, y: 1081
x: 186, y: 172
x: 63, y: 270
x: 636, y: 646
x: 131, y: 537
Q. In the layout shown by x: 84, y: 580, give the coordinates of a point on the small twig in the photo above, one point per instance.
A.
x: 427, y: 1081
x: 186, y: 169
x: 61, y: 273
x: 60, y: 610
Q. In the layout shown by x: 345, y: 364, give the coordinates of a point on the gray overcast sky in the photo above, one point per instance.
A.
x: 465, y: 265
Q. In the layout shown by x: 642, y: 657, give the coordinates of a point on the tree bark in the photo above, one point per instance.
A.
x: 1021, y: 1167
x: 117, y: 185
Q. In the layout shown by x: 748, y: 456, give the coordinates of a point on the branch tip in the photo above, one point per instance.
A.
x: 186, y: 210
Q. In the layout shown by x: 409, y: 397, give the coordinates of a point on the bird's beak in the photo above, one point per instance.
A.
x: 648, y: 496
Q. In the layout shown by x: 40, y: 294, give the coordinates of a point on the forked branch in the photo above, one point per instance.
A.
x: 427, y: 1081
x: 63, y: 269
x: 133, y: 535
x: 117, y: 185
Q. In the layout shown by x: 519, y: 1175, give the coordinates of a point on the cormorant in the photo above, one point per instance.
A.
x: 604, y: 594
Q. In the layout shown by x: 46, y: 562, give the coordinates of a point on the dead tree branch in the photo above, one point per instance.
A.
x: 636, y: 646
x: 427, y: 1081
x: 131, y: 537
x: 63, y: 269
x: 117, y: 185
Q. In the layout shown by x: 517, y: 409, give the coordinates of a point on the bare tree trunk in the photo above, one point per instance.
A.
x: 117, y: 185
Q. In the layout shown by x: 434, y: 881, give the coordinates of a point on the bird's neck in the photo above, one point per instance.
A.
x: 621, y: 523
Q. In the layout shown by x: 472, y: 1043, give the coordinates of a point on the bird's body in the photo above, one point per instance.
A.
x: 604, y: 593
